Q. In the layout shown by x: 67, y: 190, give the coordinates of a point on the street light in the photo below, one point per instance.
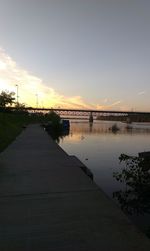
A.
x: 37, y: 101
x: 17, y: 97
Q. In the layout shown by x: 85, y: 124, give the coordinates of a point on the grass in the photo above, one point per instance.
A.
x: 10, y: 126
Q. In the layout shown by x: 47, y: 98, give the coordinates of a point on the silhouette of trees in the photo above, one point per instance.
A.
x: 7, y: 98
x: 135, y: 199
x: 20, y: 107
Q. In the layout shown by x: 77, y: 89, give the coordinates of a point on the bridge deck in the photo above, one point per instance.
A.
x: 48, y: 203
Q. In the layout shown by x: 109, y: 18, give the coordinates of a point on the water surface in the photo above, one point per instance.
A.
x: 99, y: 148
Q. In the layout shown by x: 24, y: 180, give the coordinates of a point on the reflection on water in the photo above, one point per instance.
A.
x: 58, y: 135
x: 99, y: 149
x: 105, y: 127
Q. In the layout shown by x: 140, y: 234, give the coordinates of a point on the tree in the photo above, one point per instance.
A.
x: 7, y: 98
x: 135, y: 175
x: 20, y: 106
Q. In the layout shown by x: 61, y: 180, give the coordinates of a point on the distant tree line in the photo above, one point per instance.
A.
x: 126, y: 118
x: 112, y: 117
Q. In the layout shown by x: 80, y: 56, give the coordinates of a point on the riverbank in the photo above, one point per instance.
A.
x: 48, y: 203
x: 12, y: 124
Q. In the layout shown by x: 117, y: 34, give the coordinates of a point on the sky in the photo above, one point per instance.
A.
x: 91, y: 54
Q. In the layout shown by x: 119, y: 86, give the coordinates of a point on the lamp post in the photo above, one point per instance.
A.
x: 37, y: 101
x: 17, y: 97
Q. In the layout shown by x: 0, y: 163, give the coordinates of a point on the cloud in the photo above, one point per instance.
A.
x: 115, y: 103
x: 105, y: 100
x: 109, y: 106
x: 30, y: 86
x: 141, y: 93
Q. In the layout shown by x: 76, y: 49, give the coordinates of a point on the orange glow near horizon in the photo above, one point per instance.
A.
x: 32, y: 91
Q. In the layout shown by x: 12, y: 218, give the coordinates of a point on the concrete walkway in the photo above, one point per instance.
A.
x: 48, y: 203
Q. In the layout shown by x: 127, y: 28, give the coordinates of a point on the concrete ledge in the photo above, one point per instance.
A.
x: 84, y: 168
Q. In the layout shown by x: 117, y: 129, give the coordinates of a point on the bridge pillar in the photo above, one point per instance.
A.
x: 91, y: 117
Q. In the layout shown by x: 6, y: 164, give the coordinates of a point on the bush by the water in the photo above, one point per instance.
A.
x: 53, y: 125
x: 54, y: 120
x: 134, y: 198
x: 114, y: 128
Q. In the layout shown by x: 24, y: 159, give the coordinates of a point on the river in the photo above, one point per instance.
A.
x: 99, y: 148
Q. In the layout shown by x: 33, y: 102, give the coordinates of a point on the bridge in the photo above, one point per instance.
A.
x: 84, y: 113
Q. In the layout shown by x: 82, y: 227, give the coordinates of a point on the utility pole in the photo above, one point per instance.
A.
x: 17, y: 95
x: 37, y: 101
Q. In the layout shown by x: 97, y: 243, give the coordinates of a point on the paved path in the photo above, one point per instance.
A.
x: 48, y: 203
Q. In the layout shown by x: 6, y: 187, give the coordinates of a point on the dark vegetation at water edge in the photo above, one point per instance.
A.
x: 53, y: 126
x: 12, y: 123
x: 134, y: 199
x: 114, y: 128
x: 56, y: 127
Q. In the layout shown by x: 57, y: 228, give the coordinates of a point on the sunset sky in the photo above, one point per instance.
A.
x: 77, y: 53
